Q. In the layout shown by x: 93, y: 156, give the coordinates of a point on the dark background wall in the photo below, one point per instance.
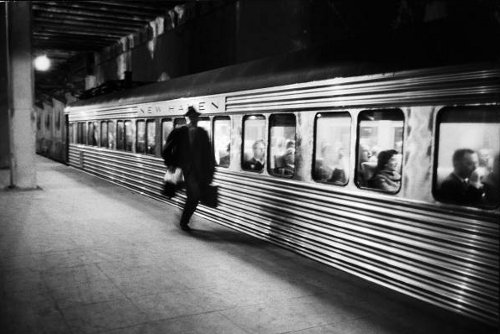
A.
x: 204, y: 35
x: 215, y: 34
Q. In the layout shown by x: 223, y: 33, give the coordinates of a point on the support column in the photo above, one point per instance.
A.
x: 22, y: 127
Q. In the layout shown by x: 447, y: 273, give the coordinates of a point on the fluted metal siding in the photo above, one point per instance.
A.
x: 445, y: 255
x: 446, y: 259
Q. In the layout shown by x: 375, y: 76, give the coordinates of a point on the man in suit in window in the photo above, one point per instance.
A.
x: 462, y: 186
x: 188, y: 147
x: 256, y: 163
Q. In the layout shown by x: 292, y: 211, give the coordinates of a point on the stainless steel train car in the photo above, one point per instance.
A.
x: 51, y: 133
x: 319, y: 133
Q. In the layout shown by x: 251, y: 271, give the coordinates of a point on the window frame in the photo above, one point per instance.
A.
x: 111, y: 125
x: 358, y: 138
x: 268, y: 157
x: 155, y: 140
x: 435, y: 156
x: 70, y: 133
x: 351, y: 178
x: 242, y: 155
x: 90, y: 138
x: 218, y: 118
x: 132, y: 144
x: 137, y: 121
x: 120, y: 140
x: 101, y: 137
x: 163, y: 140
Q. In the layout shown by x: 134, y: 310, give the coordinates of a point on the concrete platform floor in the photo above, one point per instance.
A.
x: 84, y: 256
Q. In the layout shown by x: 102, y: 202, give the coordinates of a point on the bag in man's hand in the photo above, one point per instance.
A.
x: 210, y: 196
x: 172, y: 180
x: 173, y: 175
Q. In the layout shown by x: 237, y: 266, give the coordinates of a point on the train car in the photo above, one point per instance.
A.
x: 299, y: 147
x: 51, y: 135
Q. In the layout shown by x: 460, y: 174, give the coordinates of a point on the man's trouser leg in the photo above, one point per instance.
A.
x: 193, y: 197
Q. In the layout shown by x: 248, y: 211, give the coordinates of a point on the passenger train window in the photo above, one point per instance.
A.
x: 254, y: 145
x: 467, y: 157
x: 104, y: 134
x: 332, y: 148
x: 166, y: 128
x: 91, y: 134
x: 380, y: 147
x: 120, y: 135
x: 178, y: 122
x: 71, y: 133
x: 222, y: 141
x: 79, y: 133
x: 129, y: 136
x: 84, y: 133
x: 111, y: 135
x: 282, y: 145
x: 97, y: 131
x: 140, y: 139
x: 151, y: 136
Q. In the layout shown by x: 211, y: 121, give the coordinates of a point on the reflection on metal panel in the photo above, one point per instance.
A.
x: 446, y: 258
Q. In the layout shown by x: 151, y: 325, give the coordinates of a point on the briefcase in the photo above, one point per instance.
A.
x: 210, y: 196
x: 169, y: 189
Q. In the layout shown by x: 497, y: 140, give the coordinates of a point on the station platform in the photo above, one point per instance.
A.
x: 82, y: 255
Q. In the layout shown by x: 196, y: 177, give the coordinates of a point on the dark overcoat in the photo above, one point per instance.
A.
x: 194, y: 157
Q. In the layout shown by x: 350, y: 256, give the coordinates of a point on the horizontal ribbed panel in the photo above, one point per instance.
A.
x: 446, y: 258
x: 373, y: 90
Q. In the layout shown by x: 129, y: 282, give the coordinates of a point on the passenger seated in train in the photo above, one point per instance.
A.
x: 462, y: 186
x: 257, y: 161
x: 366, y: 167
x: 285, y: 164
x: 387, y: 176
x: 484, y: 163
x: 224, y: 156
x: 491, y: 184
x: 331, y: 166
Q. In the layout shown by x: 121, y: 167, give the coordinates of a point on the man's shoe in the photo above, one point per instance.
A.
x: 185, y: 227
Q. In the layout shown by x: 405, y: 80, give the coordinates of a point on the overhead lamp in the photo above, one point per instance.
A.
x: 42, y: 63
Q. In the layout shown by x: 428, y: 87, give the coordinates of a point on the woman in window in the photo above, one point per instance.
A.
x: 387, y: 176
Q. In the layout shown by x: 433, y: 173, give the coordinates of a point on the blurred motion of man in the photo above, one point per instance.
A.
x: 462, y: 186
x: 193, y: 154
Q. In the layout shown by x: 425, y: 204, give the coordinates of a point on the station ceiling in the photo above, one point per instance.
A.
x: 65, y: 29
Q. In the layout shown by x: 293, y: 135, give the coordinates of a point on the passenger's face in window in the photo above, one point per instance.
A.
x: 467, y: 165
x: 258, y: 151
x: 393, y: 163
x: 484, y: 157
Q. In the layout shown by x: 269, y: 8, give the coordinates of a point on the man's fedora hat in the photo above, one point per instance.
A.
x: 192, y: 112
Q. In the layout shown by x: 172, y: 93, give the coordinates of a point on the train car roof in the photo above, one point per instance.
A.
x: 303, y: 66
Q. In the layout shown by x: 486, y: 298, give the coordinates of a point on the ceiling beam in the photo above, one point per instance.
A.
x: 89, y: 14
x: 101, y: 33
x: 153, y: 5
x: 78, y: 33
x: 41, y: 37
x: 40, y: 21
x: 137, y: 10
x: 86, y: 19
x: 81, y: 46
